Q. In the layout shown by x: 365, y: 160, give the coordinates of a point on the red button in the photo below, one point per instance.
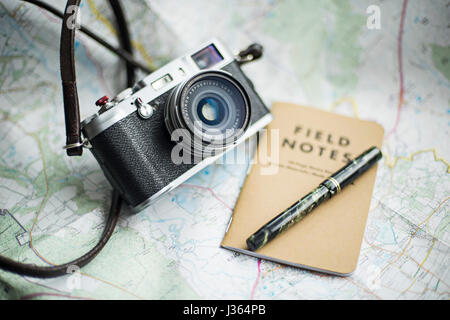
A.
x: 102, y: 101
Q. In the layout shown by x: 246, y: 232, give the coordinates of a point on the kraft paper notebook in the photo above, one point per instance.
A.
x: 313, y: 144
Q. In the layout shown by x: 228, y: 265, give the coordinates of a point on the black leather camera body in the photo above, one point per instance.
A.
x: 202, y: 98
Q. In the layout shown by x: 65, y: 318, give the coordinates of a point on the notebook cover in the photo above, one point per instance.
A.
x: 313, y: 145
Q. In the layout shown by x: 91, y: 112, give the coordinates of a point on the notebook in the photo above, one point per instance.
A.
x: 313, y: 144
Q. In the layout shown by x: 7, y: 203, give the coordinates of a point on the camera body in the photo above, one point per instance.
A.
x: 131, y: 135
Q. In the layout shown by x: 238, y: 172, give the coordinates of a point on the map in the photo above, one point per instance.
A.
x: 385, y: 61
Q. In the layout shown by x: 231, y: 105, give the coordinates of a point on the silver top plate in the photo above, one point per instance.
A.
x: 153, y: 86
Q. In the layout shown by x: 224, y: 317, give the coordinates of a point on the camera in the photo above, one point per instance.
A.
x: 194, y: 108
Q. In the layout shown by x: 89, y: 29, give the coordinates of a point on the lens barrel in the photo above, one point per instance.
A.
x: 210, y: 112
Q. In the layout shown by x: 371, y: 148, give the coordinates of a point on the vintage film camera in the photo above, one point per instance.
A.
x: 203, y: 97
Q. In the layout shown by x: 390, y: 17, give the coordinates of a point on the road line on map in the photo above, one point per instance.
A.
x: 400, y: 68
x: 258, y: 276
x: 387, y: 193
x: 90, y: 276
x: 137, y: 45
x: 408, y: 256
x: 112, y: 284
x: 207, y: 189
x: 415, y: 278
x: 12, y: 14
x: 278, y: 267
x: 411, y: 237
x: 47, y: 188
x: 367, y: 290
x: 393, y: 163
x: 101, y: 18
x: 346, y: 99
x: 44, y: 169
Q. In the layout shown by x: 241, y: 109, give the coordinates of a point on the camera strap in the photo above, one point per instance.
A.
x: 74, y: 145
x: 73, y: 132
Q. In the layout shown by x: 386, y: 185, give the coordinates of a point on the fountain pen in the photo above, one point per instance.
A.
x: 305, y: 205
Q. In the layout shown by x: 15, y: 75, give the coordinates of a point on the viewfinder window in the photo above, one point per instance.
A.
x: 161, y: 82
x: 207, y: 57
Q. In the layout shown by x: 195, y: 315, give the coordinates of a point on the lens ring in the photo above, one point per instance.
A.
x: 207, y: 85
x: 213, y: 94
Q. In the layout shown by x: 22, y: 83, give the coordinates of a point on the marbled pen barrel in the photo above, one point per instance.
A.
x: 305, y: 205
x: 287, y: 218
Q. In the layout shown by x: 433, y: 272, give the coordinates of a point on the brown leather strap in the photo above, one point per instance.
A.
x: 71, y: 109
x: 69, y: 86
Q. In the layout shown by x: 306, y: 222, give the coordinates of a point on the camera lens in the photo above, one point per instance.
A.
x: 212, y: 108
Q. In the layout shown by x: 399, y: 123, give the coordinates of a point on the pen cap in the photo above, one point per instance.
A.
x: 357, y: 167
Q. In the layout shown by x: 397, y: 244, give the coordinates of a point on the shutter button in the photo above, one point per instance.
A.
x: 102, y: 101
